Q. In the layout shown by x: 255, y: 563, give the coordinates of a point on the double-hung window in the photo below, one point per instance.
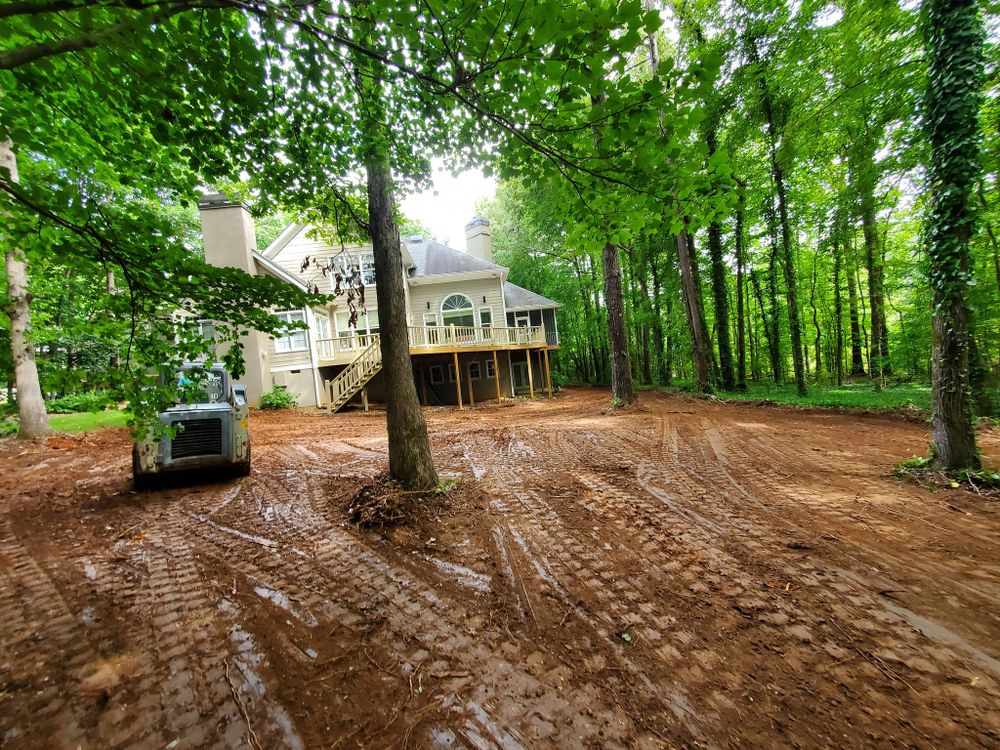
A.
x: 294, y: 341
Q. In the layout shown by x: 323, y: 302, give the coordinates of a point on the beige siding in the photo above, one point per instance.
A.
x: 434, y: 294
x: 291, y: 256
x: 300, y: 383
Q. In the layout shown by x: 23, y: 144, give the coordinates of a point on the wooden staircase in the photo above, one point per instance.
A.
x: 356, y: 375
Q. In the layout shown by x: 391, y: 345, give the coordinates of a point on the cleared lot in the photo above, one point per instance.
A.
x: 685, y: 574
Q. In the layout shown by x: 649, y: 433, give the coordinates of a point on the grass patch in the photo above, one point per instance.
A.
x: 905, y: 397
x: 88, y: 421
x: 81, y: 422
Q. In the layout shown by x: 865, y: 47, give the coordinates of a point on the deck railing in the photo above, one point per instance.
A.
x: 344, y: 347
x: 448, y: 337
x: 437, y: 337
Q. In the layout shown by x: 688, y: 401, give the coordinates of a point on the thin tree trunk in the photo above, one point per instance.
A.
x: 720, y: 294
x: 838, y: 309
x: 778, y: 176
x: 770, y: 331
x: 622, y: 390
x: 695, y: 319
x: 864, y: 184
x: 857, y: 358
x: 819, y: 332
x: 789, y: 268
x: 954, y: 74
x: 33, y: 419
x: 659, y: 341
x: 741, y: 347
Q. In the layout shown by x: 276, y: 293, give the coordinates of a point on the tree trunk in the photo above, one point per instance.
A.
x: 838, y: 310
x: 622, y: 391
x: 721, y: 297
x: 770, y: 331
x: 33, y: 420
x: 695, y: 319
x: 863, y: 179
x: 857, y: 357
x: 410, y: 461
x: 741, y: 347
x: 789, y: 268
x: 954, y: 75
x: 819, y: 332
x: 720, y: 294
x: 659, y: 341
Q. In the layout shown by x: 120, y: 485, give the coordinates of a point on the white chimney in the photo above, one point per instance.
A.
x: 230, y: 242
x: 228, y: 230
x: 477, y: 239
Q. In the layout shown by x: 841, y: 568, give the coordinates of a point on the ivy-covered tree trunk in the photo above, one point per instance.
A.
x: 954, y: 39
x: 33, y: 419
x: 622, y: 390
x: 695, y: 317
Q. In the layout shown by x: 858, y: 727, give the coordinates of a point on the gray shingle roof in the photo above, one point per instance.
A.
x: 432, y: 258
x: 519, y: 298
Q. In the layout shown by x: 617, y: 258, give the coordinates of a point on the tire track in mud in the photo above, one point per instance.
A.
x: 715, y: 543
x: 34, y: 618
x: 335, y: 576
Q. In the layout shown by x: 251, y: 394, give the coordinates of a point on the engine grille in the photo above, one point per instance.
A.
x: 199, y: 437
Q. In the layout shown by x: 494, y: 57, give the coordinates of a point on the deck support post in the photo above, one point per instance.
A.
x: 423, y: 383
x: 510, y: 372
x: 364, y: 398
x: 326, y: 392
x: 531, y: 379
x: 496, y: 374
x: 548, y: 373
x: 458, y: 379
x: 468, y: 378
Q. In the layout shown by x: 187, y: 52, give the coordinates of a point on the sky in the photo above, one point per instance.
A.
x: 450, y: 204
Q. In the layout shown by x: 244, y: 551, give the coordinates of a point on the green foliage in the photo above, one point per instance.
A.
x: 278, y: 398
x: 91, y: 401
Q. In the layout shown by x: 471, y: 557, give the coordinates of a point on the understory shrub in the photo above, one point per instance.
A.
x: 78, y: 402
x: 278, y: 398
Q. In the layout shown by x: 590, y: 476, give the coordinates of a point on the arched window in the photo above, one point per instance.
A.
x: 456, y: 302
x: 456, y: 310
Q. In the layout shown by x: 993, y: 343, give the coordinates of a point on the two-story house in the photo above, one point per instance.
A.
x: 473, y: 335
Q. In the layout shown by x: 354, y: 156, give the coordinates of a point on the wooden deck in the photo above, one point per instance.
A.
x: 439, y: 340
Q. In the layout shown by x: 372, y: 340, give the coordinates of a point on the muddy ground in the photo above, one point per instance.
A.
x: 688, y: 574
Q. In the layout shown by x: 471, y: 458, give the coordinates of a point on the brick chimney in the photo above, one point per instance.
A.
x: 477, y: 239
x: 228, y: 230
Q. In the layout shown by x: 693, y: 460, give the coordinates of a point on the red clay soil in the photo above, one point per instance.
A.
x: 687, y: 574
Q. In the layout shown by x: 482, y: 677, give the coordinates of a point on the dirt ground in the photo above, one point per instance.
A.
x: 686, y: 574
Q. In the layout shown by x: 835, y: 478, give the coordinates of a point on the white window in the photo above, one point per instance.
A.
x: 451, y: 373
x: 430, y: 319
x: 368, y: 269
x: 295, y: 340
x: 457, y: 310
x: 490, y: 372
x: 486, y: 317
x: 474, y: 371
x: 437, y: 375
x: 372, y: 316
